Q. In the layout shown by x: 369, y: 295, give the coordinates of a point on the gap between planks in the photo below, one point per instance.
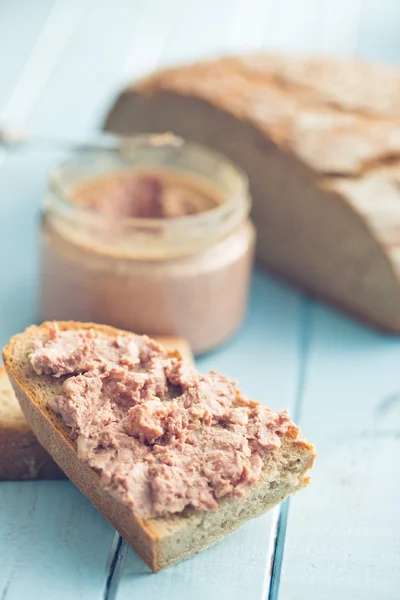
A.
x: 115, y: 564
x: 273, y: 578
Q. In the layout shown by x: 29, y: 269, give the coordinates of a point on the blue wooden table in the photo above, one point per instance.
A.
x: 61, y: 62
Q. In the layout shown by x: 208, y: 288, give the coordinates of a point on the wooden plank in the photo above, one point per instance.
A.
x: 313, y: 26
x: 339, y: 27
x: 379, y: 31
x: 23, y: 180
x: 248, y: 24
x: 199, y: 29
x: 264, y: 346
x: 343, y: 532
x: 52, y: 538
x: 57, y: 33
x: 19, y: 31
x: 263, y: 357
x: 73, y: 103
x: 157, y: 28
x: 54, y: 543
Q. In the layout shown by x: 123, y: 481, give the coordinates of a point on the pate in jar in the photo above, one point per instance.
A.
x: 153, y: 237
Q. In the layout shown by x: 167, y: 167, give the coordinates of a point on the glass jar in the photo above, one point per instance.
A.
x: 186, y: 276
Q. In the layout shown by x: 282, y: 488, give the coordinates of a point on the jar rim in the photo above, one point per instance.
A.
x: 130, y: 143
x: 122, y: 154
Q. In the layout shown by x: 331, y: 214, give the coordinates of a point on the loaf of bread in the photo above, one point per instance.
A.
x: 320, y: 141
x: 21, y: 455
x: 159, y: 540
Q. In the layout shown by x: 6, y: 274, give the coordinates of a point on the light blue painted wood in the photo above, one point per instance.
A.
x: 196, y: 34
x: 343, y: 531
x: 52, y: 540
x: 313, y: 26
x: 235, y: 568
x: 20, y: 26
x: 248, y: 24
x: 379, y: 31
x: 57, y: 32
x: 156, y: 27
x: 241, y: 562
x: 339, y: 544
x: 263, y: 358
x: 53, y: 543
x: 71, y: 103
x: 23, y: 180
x: 339, y: 27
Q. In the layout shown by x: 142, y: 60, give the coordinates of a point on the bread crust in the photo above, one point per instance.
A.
x: 155, y: 540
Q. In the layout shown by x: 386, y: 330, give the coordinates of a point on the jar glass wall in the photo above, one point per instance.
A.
x: 186, y: 276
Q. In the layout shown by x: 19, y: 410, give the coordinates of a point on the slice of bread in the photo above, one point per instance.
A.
x: 21, y: 455
x: 160, y: 541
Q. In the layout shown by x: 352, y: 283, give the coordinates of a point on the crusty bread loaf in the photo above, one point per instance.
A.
x: 159, y: 541
x: 21, y: 455
x: 320, y: 141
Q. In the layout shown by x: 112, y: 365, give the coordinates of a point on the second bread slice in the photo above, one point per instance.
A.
x: 21, y: 455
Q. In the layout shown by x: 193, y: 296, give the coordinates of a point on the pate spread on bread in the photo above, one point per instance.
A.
x: 161, y: 435
x: 175, y: 460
